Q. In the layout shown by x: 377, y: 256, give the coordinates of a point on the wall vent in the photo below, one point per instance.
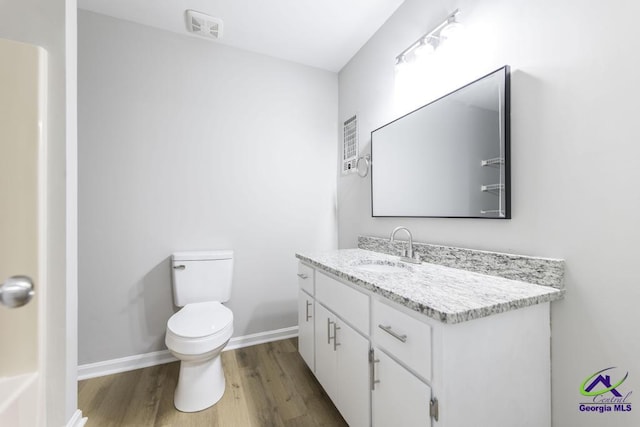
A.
x: 350, y: 145
x: 204, y: 25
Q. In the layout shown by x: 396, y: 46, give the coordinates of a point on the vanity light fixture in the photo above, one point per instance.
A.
x: 401, y: 63
x: 426, y: 46
x: 430, y: 41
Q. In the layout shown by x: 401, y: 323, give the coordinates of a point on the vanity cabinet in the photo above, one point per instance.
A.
x: 384, y: 364
x: 306, y: 328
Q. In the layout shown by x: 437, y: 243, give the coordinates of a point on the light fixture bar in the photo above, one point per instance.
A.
x: 427, y: 36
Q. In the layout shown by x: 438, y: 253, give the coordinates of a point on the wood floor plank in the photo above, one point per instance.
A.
x: 287, y: 402
x: 302, y: 421
x: 267, y: 385
x: 111, y: 401
x: 306, y: 386
x: 147, y: 393
x: 262, y: 409
x: 300, y: 376
x: 288, y: 346
x: 232, y: 408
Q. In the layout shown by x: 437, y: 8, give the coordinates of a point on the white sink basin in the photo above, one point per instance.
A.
x: 382, y: 267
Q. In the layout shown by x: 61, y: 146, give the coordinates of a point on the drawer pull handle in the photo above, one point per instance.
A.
x: 302, y: 276
x: 335, y: 336
x: 308, y: 315
x: 387, y: 329
x: 329, y: 322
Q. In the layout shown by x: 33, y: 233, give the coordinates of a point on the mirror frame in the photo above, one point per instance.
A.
x: 506, y: 99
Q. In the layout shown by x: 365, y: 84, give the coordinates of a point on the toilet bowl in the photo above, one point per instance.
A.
x: 196, y: 335
x: 198, y: 332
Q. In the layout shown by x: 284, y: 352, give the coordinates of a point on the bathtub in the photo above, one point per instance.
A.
x: 18, y: 400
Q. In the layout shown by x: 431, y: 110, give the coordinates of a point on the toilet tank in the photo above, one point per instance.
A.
x: 201, y: 276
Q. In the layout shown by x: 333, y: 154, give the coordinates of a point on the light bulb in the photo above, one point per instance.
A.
x: 424, y: 48
x: 401, y: 64
x: 452, y: 30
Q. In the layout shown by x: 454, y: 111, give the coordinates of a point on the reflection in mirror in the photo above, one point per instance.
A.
x: 449, y: 158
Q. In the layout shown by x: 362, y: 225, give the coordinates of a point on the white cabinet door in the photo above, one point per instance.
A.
x: 342, y: 366
x: 306, y: 320
x: 353, y: 376
x: 326, y: 361
x: 399, y: 398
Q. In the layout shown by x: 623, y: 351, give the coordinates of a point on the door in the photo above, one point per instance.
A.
x: 22, y: 122
x: 352, y: 375
x: 326, y: 361
x: 398, y: 395
x: 342, y: 367
x: 305, y: 328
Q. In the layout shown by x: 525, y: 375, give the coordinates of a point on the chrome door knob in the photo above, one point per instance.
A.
x: 16, y: 291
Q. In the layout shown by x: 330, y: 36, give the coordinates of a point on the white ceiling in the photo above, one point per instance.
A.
x: 319, y: 33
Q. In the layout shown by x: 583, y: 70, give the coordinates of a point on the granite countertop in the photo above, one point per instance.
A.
x: 450, y: 295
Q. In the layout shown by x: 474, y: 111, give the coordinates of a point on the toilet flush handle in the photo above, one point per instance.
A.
x: 179, y: 267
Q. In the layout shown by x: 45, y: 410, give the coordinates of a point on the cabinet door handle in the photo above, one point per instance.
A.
x: 372, y: 370
x: 335, y: 336
x: 308, y: 315
x: 329, y: 322
x: 387, y: 329
x: 302, y: 276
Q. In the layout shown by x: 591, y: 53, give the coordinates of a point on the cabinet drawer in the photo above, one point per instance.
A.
x: 348, y: 303
x: 305, y: 278
x: 404, y: 337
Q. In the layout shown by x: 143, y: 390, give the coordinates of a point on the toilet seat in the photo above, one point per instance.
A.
x: 199, y: 328
x: 198, y: 320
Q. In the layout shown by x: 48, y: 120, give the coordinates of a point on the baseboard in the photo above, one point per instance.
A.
x: 77, y: 420
x: 129, y: 363
x: 261, y: 338
x: 123, y: 364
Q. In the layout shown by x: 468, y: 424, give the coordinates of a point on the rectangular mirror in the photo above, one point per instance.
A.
x: 449, y: 158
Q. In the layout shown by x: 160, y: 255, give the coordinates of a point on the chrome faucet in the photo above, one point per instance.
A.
x: 407, y: 255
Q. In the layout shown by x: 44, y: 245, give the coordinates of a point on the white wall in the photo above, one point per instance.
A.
x: 575, y: 168
x: 186, y: 144
x: 46, y: 23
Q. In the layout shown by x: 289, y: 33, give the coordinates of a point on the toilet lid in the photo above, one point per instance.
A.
x: 200, y: 319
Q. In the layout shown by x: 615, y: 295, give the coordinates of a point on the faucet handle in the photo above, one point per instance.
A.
x: 403, y: 252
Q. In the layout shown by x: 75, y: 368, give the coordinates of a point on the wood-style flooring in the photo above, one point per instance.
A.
x: 267, y: 385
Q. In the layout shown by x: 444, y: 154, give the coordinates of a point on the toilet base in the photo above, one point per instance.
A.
x: 200, y: 384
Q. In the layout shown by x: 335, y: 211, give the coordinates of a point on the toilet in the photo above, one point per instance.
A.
x: 198, y: 332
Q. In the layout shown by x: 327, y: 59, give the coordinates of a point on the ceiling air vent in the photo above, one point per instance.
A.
x: 204, y: 25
